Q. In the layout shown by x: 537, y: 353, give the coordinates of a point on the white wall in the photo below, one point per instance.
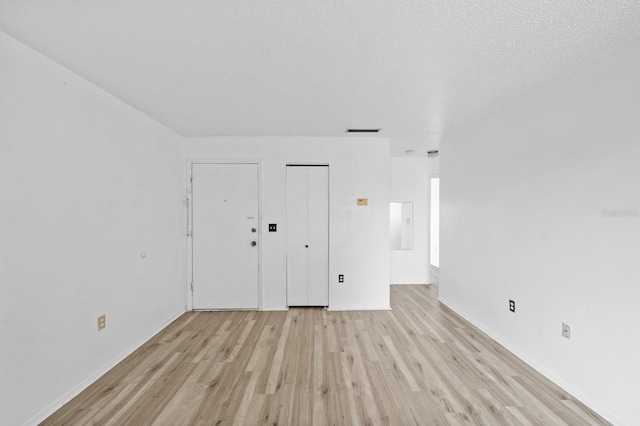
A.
x: 410, y: 183
x: 523, y: 195
x: 359, y: 236
x: 87, y: 184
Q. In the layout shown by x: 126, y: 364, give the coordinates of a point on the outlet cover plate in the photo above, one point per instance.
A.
x: 566, y: 331
x: 102, y: 322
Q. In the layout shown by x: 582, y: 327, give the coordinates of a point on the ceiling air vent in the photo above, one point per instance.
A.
x: 363, y: 130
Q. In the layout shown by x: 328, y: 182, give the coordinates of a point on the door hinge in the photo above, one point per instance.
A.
x: 191, y: 179
x: 191, y: 286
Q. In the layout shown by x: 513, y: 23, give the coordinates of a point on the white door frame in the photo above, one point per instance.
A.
x: 189, y: 221
x: 431, y: 176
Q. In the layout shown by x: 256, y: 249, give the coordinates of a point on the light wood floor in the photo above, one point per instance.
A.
x: 417, y: 364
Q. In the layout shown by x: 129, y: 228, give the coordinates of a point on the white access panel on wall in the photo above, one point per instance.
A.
x: 307, y: 235
x: 225, y: 209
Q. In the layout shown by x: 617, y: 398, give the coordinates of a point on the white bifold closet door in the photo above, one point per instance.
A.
x: 307, y: 235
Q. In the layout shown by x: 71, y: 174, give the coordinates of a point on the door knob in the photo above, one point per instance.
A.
x: 253, y: 229
x: 253, y: 243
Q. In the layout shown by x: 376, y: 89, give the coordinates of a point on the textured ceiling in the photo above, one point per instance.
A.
x: 419, y: 70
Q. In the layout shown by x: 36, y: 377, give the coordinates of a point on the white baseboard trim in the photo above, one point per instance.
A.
x: 580, y: 396
x: 359, y: 308
x: 73, y: 392
x: 411, y: 283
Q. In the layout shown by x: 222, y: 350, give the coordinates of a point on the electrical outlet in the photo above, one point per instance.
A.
x: 273, y: 227
x: 512, y: 305
x: 566, y: 331
x: 102, y: 322
x: 340, y: 278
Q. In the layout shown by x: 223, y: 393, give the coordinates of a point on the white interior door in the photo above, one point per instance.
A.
x: 307, y: 235
x: 297, y: 242
x: 225, y: 210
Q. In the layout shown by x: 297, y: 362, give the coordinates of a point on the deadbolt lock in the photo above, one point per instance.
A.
x: 253, y: 229
x: 253, y: 243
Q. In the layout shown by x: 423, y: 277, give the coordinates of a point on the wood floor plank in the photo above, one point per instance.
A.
x: 419, y: 364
